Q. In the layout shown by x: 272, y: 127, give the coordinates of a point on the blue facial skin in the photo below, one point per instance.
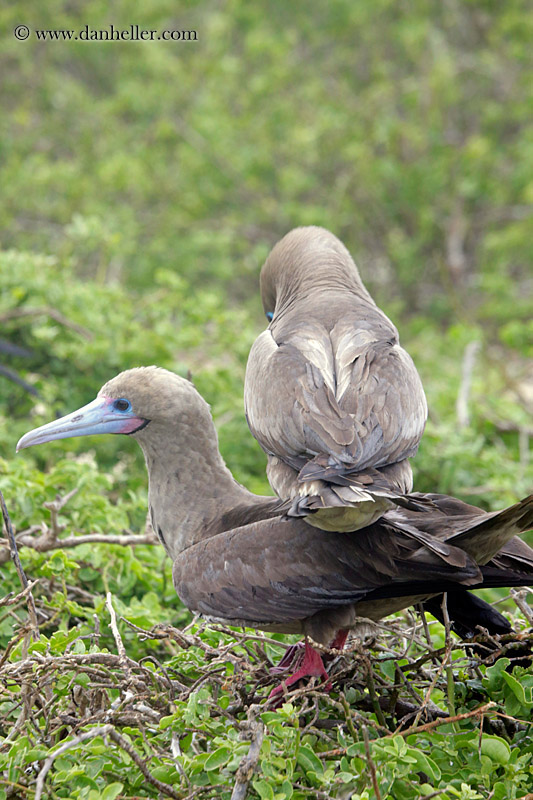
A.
x: 122, y: 405
x: 103, y: 415
x: 269, y: 315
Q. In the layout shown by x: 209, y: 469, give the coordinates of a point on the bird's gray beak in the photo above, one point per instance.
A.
x: 100, y: 416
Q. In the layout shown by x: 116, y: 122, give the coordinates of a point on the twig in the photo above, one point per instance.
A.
x: 370, y: 763
x: 165, y: 788
x: 450, y: 686
x: 519, y: 596
x: 11, y: 375
x: 372, y: 691
x: 121, y: 650
x: 10, y: 600
x: 202, y: 789
x: 57, y: 316
x: 47, y: 541
x: 348, y: 715
x: 309, y: 792
x: 255, y: 729
x: 476, y: 712
x: 55, y: 506
x: 425, y: 626
x: 83, y: 737
x: 32, y: 611
x: 461, y: 406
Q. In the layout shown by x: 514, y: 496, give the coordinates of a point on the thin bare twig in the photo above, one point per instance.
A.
x: 461, y: 406
x: 370, y: 763
x: 11, y: 600
x: 254, y: 729
x: 476, y: 712
x: 121, y: 650
x: 53, y: 313
x: 164, y: 788
x: 32, y: 611
x: 77, y: 740
x: 47, y: 541
x: 519, y: 596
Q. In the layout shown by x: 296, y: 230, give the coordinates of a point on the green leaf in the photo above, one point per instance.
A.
x: 165, y: 722
x: 425, y: 764
x: 218, y: 758
x: 309, y: 761
x: 524, y: 694
x: 112, y: 790
x: 35, y: 754
x: 496, y: 749
x: 287, y: 789
x: 263, y: 789
x: 165, y: 773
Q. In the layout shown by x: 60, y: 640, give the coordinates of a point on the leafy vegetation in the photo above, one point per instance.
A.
x: 143, y: 185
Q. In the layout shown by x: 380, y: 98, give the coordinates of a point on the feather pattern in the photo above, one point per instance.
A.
x: 329, y: 391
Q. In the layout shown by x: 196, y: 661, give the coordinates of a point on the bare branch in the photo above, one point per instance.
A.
x: 370, y: 763
x: 10, y: 600
x: 77, y: 740
x: 47, y: 541
x: 519, y: 596
x: 165, y: 788
x: 53, y: 313
x: 461, y: 406
x: 121, y: 650
x: 476, y: 712
x: 32, y: 613
x: 254, y: 729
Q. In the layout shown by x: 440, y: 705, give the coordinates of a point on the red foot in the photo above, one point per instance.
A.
x: 308, y: 663
x: 339, y: 641
x: 292, y: 658
x: 311, y: 666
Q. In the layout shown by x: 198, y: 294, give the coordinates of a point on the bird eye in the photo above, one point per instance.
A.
x: 269, y: 315
x: 122, y: 404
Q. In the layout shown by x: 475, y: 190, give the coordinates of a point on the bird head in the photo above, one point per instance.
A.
x: 126, y: 404
x: 305, y: 259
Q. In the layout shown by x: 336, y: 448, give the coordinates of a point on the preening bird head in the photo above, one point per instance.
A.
x: 126, y: 404
x: 306, y: 259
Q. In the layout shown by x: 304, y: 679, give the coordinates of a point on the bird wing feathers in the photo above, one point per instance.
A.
x: 346, y: 394
x: 280, y: 571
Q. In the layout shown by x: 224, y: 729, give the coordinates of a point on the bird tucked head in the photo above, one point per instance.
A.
x: 127, y: 404
x: 306, y: 259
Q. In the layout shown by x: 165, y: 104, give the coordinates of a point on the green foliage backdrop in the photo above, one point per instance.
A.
x: 143, y: 183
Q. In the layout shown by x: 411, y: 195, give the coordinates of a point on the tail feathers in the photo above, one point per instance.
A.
x: 415, y: 502
x: 333, y: 483
x: 391, y: 479
x: 469, y: 614
x: 327, y: 497
x: 326, y: 468
x: 516, y: 558
x: 452, y: 555
x: 486, y: 535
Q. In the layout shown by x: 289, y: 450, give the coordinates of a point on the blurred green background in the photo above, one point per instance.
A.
x: 143, y: 184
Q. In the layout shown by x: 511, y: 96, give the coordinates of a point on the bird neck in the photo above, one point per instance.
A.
x: 190, y: 486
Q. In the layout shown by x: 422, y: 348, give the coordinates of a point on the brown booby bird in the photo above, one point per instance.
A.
x: 330, y: 395
x: 238, y: 559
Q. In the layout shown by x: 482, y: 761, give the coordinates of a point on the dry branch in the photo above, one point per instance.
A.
x: 32, y: 612
x: 48, y: 541
x: 255, y: 730
x: 45, y: 311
